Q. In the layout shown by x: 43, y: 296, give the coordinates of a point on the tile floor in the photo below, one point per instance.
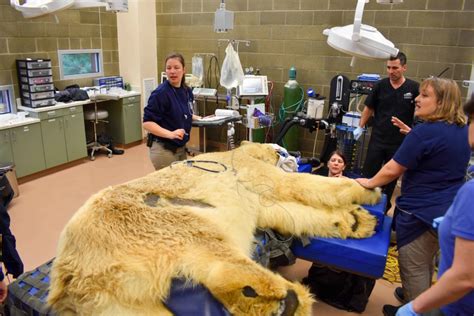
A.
x: 45, y: 205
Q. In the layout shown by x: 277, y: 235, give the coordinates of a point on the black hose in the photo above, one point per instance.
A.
x: 287, y: 124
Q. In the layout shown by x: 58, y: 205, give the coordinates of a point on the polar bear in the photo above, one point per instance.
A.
x: 196, y: 219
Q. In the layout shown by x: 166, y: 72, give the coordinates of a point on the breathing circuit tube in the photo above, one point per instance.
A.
x: 287, y: 124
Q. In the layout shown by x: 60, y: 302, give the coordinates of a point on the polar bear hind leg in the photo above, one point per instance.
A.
x: 243, y: 286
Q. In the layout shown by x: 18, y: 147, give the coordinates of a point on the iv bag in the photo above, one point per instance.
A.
x: 198, y: 67
x: 232, y: 74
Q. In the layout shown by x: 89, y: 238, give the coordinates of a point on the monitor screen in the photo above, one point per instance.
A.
x: 253, y: 86
x: 7, y: 104
x: 81, y: 63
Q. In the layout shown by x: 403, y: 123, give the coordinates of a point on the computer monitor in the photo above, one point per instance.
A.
x: 7, y: 100
x: 253, y: 86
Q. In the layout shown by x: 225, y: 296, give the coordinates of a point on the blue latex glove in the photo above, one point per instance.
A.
x: 407, y: 310
x: 437, y: 221
x: 358, y: 132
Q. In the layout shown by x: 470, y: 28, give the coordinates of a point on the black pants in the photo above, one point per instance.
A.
x: 378, y: 155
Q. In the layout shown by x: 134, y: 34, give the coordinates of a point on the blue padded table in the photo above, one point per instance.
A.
x: 365, y: 256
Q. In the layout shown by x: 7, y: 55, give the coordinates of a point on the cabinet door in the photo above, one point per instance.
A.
x: 115, y: 126
x: 54, y: 143
x: 75, y: 136
x: 132, y: 122
x: 27, y: 146
x: 6, y: 154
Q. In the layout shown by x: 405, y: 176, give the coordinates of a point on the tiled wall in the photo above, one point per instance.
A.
x: 434, y: 34
x: 42, y: 37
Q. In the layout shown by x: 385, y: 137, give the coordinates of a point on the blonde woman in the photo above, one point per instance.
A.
x: 433, y: 158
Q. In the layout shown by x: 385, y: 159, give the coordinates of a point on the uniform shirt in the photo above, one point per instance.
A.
x: 436, y: 156
x: 458, y: 222
x: 387, y: 102
x: 171, y: 108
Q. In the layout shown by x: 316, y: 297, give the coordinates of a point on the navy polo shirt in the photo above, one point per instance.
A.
x: 436, y: 155
x: 171, y: 108
x: 387, y: 102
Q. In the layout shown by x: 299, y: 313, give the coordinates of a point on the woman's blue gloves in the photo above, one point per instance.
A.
x: 407, y: 310
x: 437, y: 221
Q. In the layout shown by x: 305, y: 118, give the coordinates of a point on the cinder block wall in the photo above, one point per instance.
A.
x: 283, y: 33
x: 42, y: 37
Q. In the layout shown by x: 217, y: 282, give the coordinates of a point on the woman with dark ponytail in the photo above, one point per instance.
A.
x: 169, y: 114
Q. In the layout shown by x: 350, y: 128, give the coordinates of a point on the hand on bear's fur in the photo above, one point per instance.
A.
x: 365, y: 182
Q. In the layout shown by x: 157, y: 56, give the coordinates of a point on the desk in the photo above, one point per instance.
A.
x: 60, y: 132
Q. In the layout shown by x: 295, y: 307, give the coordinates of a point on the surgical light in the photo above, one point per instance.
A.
x: 35, y: 8
x: 223, y: 19
x: 360, y: 40
x: 110, y: 5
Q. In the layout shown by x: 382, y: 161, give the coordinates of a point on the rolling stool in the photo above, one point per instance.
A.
x: 95, y: 117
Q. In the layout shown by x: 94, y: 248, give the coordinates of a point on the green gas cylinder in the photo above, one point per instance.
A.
x: 292, y: 102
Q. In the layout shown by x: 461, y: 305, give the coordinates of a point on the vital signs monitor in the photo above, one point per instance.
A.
x: 253, y: 86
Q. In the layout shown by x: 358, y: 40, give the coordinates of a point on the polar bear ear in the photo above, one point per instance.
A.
x: 245, y: 142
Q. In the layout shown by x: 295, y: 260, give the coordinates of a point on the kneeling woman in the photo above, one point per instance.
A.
x: 169, y: 114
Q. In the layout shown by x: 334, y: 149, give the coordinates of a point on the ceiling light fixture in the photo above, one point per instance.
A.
x: 361, y: 40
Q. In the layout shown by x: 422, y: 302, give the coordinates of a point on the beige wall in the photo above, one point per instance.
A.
x: 41, y: 38
x: 434, y: 34
x: 137, y: 44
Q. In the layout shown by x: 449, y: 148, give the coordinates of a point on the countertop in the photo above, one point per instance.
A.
x: 61, y: 105
x: 17, y: 121
x: 12, y: 120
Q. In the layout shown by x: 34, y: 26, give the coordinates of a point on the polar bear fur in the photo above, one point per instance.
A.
x: 120, y: 251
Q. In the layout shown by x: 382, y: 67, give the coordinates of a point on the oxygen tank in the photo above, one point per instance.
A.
x: 292, y: 101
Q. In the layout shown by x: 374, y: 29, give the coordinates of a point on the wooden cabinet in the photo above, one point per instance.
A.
x: 125, y: 120
x: 23, y: 145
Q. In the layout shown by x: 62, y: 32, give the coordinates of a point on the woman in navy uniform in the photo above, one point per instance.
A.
x: 169, y: 114
x: 433, y: 160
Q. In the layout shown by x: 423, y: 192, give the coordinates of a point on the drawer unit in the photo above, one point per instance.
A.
x: 129, y: 100
x: 35, y: 72
x: 49, y: 114
x: 35, y: 64
x: 38, y: 95
x: 37, y: 87
x: 35, y: 77
x: 73, y: 110
x: 38, y: 103
x: 125, y: 120
x: 37, y: 80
